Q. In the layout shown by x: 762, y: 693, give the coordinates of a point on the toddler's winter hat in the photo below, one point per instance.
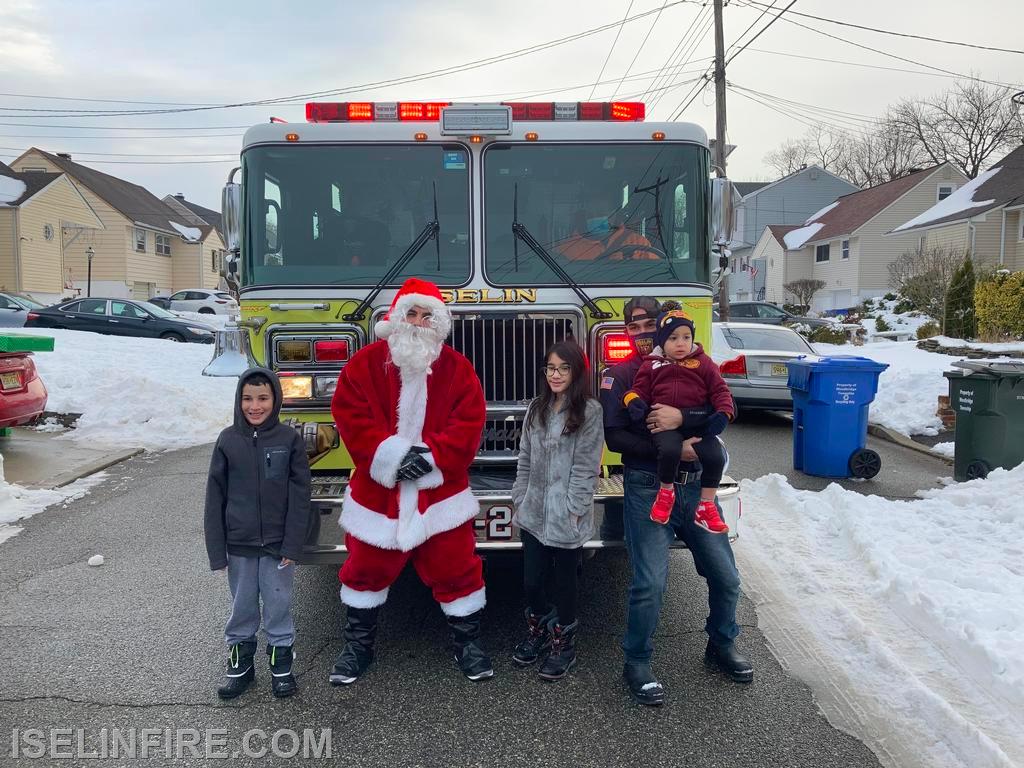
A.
x: 669, y: 322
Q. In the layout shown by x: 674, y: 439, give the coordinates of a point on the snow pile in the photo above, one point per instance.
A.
x: 906, y: 618
x: 133, y: 392
x: 945, y: 449
x: 10, y: 190
x: 215, y: 321
x: 17, y: 503
x: 1010, y: 346
x: 908, y: 390
x: 961, y: 201
x: 822, y: 212
x: 795, y: 240
x: 886, y: 309
x: 189, y: 233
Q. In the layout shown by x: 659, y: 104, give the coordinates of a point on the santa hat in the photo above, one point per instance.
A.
x: 668, y: 322
x: 416, y: 293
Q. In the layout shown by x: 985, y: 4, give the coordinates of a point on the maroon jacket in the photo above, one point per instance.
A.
x: 694, y: 380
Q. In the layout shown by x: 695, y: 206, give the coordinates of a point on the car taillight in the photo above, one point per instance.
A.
x: 615, y: 348
x: 219, y: 301
x: 735, y: 367
x: 32, y: 316
x: 30, y: 374
x: 331, y: 351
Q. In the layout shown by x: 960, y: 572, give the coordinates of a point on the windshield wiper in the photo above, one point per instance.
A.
x: 520, y: 232
x: 431, y: 231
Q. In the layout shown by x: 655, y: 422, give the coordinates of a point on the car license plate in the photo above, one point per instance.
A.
x: 10, y: 381
x: 779, y: 369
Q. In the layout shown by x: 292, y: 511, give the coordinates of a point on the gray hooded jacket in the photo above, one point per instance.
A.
x: 257, y: 492
x: 555, y: 480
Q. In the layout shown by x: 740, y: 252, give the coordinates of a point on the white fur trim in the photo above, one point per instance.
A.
x: 367, y: 525
x: 466, y: 605
x: 387, y: 458
x: 450, y: 513
x: 357, y: 598
x: 412, y: 406
x: 442, y: 320
x: 433, y: 478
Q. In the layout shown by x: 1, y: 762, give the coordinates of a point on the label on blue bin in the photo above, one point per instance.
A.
x: 846, y: 394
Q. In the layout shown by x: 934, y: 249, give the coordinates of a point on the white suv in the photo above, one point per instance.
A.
x: 203, y: 301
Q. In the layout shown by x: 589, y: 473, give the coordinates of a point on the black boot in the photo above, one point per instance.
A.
x: 538, y: 638
x: 282, y: 681
x: 643, y: 685
x: 729, y: 661
x: 562, y: 656
x: 465, y: 640
x: 355, y: 657
x: 240, y: 673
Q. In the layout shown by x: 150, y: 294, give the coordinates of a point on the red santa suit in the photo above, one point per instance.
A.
x: 383, y: 410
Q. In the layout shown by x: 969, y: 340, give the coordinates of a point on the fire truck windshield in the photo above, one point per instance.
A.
x: 344, y: 214
x: 608, y: 213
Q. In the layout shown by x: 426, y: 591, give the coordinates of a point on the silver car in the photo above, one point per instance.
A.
x: 752, y: 358
x: 14, y: 309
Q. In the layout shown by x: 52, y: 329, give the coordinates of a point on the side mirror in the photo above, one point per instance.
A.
x: 231, y: 211
x: 724, y: 198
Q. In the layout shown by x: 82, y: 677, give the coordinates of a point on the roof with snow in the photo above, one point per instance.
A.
x: 16, y: 188
x: 1001, y: 186
x: 207, y: 215
x: 132, y: 200
x: 779, y: 232
x: 852, y: 211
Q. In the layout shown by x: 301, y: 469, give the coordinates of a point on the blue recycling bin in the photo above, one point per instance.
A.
x: 831, y: 398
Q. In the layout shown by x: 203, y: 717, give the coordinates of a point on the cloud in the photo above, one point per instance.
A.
x: 24, y: 49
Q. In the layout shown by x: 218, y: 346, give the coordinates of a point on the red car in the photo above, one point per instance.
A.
x: 22, y: 394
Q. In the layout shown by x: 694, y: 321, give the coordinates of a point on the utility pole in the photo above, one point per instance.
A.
x: 723, y: 288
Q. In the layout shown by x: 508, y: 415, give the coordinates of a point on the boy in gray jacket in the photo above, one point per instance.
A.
x: 257, y: 515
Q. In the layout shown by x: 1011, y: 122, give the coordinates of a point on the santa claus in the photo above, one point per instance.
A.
x: 410, y: 410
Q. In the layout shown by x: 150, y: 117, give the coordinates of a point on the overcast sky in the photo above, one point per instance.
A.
x: 213, y: 53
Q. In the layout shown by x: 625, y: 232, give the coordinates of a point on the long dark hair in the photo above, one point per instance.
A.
x: 576, y: 396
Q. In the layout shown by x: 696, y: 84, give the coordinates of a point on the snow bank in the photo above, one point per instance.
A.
x: 10, y: 190
x: 885, y: 309
x: 189, y: 233
x: 134, y: 393
x: 1011, y: 346
x: 216, y: 321
x: 905, y: 617
x: 961, y: 201
x: 796, y: 239
x: 17, y: 503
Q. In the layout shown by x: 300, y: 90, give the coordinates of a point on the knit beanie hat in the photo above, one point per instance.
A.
x: 669, y: 322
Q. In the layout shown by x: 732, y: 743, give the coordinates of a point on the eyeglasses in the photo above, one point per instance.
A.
x: 561, y: 370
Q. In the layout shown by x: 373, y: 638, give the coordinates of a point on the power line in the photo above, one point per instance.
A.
x: 145, y: 138
x: 852, y: 63
x: 138, y: 154
x: 131, y: 128
x: 763, y: 30
x: 614, y: 43
x: 108, y: 101
x: 899, y: 34
x: 763, y: 12
x: 687, y: 51
x: 639, y: 49
x: 150, y: 162
x: 671, y: 58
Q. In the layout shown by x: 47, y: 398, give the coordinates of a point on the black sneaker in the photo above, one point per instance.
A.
x: 240, y: 672
x: 282, y: 681
x: 643, y: 686
x: 728, y: 660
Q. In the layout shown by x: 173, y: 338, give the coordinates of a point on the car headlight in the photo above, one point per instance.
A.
x: 200, y: 331
x: 296, y: 387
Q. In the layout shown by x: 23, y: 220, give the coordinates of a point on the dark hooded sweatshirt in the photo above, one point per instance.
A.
x: 257, y: 492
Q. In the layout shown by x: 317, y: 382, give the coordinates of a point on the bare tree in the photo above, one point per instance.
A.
x: 804, y: 291
x: 788, y: 158
x: 965, y: 125
x: 924, y: 277
x: 888, y: 153
x: 825, y: 147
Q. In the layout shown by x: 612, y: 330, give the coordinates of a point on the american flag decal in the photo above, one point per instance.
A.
x: 607, y: 382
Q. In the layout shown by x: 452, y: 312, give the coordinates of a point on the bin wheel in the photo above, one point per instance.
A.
x: 977, y: 469
x: 865, y: 463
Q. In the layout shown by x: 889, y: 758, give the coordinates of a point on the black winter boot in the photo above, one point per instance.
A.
x: 282, y: 681
x: 355, y: 657
x: 241, y: 672
x: 643, y: 685
x: 729, y: 661
x: 465, y: 640
x: 537, y: 640
x: 562, y: 656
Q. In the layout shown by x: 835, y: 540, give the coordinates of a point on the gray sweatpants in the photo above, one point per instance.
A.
x: 251, y: 578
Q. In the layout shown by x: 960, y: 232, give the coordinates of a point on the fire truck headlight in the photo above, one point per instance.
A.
x: 324, y: 386
x: 296, y: 387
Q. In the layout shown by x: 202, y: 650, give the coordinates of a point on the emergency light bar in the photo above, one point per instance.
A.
x: 479, y: 118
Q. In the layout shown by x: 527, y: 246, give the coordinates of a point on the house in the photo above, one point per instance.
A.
x: 984, y: 216
x: 789, y: 200
x: 41, y: 216
x: 848, y: 244
x: 194, y: 213
x: 770, y: 250
x: 143, y: 249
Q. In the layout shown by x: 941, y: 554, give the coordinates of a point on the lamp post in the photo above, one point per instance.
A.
x: 89, y: 253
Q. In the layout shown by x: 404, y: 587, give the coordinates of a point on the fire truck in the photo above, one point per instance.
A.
x: 538, y: 221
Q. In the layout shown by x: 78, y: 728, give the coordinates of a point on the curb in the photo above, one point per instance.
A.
x: 900, y: 439
x: 59, y: 481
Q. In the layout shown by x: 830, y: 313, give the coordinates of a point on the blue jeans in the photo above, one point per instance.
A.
x: 648, y: 545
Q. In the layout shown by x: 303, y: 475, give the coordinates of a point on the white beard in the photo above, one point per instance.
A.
x: 414, y: 349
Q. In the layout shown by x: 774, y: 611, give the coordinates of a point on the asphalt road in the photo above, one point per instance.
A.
x: 136, y: 643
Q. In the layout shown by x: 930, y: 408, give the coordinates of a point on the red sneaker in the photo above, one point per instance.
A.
x: 662, y: 509
x: 707, y: 517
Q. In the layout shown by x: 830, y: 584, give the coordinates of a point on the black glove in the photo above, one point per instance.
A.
x: 413, y: 465
x: 717, y: 423
x: 637, y: 410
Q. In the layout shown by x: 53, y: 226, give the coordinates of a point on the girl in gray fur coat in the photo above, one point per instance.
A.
x: 559, y: 458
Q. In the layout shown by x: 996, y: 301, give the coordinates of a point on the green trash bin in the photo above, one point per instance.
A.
x: 988, y: 399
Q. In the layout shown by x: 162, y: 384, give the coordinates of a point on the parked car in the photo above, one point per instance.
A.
x: 22, y: 394
x: 14, y: 309
x: 766, y: 312
x: 164, y: 302
x: 203, y: 301
x: 121, y: 317
x: 752, y: 358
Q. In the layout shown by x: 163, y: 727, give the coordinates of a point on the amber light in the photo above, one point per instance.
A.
x: 531, y: 136
x: 291, y: 137
x: 658, y: 136
x: 476, y: 139
x: 420, y: 137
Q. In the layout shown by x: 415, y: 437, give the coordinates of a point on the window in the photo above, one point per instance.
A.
x: 6, y: 303
x: 92, y: 307
x: 163, y: 245
x: 33, y: 170
x: 768, y: 312
x: 126, y: 309
x: 1020, y: 225
x: 214, y: 262
x: 943, y: 191
x: 846, y: 249
x: 821, y: 252
x: 140, y: 240
x: 195, y: 296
